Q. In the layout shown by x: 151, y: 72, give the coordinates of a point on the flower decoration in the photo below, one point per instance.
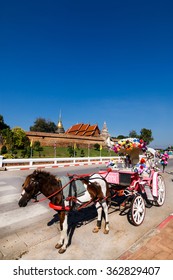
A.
x: 141, y: 167
x: 129, y: 144
x: 164, y: 159
x: 142, y: 161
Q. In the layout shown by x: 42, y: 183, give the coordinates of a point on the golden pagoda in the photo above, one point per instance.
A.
x: 60, y: 128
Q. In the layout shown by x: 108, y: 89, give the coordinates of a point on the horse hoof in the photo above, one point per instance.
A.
x: 106, y: 231
x: 61, y: 251
x: 96, y: 229
x: 58, y: 246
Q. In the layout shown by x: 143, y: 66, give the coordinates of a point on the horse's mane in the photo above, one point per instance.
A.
x: 44, y: 174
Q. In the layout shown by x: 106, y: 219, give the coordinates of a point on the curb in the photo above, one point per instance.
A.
x: 165, y: 222
x: 3, y: 169
x: 54, y: 166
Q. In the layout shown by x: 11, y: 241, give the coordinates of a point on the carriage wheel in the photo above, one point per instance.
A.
x: 137, y: 211
x: 161, y: 191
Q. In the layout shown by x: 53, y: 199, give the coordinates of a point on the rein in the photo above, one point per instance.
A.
x: 73, y: 179
x: 78, y: 177
x: 47, y: 197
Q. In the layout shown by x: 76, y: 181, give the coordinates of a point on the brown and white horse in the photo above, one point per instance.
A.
x: 96, y: 190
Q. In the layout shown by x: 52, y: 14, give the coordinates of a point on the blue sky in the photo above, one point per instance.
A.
x: 94, y: 60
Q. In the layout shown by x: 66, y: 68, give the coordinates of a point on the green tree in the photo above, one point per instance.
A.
x: 37, y: 147
x: 121, y: 136
x: 3, y: 150
x: 14, y: 139
x: 133, y: 134
x: 70, y: 151
x: 3, y: 125
x: 82, y: 153
x: 42, y: 125
x: 146, y: 135
x: 97, y: 147
x: 20, y: 140
x: 7, y: 136
x: 26, y: 152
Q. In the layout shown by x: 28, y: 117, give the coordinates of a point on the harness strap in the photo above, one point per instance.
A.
x: 72, y: 187
x: 58, y: 191
x: 74, y: 199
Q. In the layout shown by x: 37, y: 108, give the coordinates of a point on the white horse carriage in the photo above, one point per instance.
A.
x: 131, y: 189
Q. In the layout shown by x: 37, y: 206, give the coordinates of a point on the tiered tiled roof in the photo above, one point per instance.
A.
x: 84, y: 130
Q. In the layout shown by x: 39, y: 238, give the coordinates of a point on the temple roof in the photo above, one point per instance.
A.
x: 84, y: 130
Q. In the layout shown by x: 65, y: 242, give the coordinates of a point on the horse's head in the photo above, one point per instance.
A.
x: 30, y: 189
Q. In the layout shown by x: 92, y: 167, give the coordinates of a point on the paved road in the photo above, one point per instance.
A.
x: 32, y: 232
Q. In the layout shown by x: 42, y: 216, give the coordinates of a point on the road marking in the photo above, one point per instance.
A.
x: 22, y: 214
x: 6, y: 188
x: 9, y: 198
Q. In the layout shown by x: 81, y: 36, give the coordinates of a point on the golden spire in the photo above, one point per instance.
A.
x: 60, y: 128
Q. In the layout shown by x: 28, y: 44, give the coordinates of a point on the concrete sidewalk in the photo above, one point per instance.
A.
x: 155, y: 245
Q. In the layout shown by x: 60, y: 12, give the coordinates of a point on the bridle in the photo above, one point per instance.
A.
x: 35, y: 191
x: 36, y: 194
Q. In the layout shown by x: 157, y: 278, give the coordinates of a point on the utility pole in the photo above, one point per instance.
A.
x: 54, y: 150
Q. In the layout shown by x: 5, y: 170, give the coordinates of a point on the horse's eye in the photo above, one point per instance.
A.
x: 33, y: 183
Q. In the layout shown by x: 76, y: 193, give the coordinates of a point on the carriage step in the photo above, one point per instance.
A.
x: 148, y: 193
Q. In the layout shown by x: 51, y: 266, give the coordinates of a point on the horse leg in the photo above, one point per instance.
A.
x: 63, y: 241
x: 99, y: 216
x: 105, y: 209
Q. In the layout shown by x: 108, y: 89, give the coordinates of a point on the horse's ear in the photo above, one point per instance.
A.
x: 35, y: 172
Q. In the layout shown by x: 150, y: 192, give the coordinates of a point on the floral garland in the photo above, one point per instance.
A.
x: 129, y: 144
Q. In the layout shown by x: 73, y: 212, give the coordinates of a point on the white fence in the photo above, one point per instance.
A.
x: 33, y: 163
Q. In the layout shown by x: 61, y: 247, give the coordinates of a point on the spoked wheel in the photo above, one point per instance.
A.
x: 137, y: 211
x: 161, y: 191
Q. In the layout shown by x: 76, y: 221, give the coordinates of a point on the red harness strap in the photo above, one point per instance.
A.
x: 68, y: 208
x: 58, y: 207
